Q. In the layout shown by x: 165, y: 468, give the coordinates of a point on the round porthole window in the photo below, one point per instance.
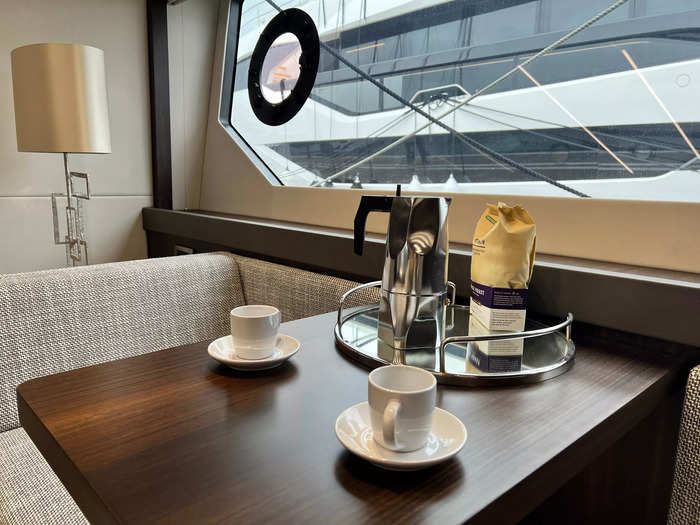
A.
x: 283, y: 67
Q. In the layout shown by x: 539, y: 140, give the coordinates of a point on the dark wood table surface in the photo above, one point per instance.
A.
x: 173, y: 436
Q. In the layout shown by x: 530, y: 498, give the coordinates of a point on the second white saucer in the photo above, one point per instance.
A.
x: 223, y: 351
x: 354, y: 430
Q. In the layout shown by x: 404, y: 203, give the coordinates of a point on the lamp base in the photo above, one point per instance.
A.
x: 74, y: 240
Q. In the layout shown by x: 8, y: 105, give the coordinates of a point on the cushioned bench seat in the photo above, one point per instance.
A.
x: 68, y: 318
x: 685, y: 498
x: 30, y: 492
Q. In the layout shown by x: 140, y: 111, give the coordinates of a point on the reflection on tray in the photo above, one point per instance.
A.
x: 476, y: 359
x: 505, y: 355
x: 420, y: 357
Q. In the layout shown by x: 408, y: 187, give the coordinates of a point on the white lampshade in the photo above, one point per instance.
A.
x: 60, y: 98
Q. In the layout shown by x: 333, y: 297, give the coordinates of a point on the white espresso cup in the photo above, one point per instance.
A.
x: 254, y: 330
x: 401, y: 402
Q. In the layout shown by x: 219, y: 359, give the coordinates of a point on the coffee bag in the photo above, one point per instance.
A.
x: 503, y: 256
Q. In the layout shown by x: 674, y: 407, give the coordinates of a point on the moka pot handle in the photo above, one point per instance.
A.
x: 368, y: 204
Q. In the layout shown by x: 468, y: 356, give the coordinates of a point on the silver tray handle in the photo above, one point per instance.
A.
x: 351, y: 291
x: 566, y: 323
x: 453, y: 292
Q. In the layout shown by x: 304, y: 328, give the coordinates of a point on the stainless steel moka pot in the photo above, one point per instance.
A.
x: 414, y: 281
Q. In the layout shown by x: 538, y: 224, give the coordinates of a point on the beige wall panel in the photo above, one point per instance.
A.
x: 26, y: 235
x: 114, y: 232
x: 654, y: 234
x: 192, y: 30
x: 117, y: 27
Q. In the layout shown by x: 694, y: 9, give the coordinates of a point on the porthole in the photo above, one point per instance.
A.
x: 283, y: 67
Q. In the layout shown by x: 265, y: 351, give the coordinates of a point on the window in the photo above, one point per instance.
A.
x: 611, y: 113
x: 505, y: 24
x: 565, y: 15
x: 659, y: 7
x: 444, y: 36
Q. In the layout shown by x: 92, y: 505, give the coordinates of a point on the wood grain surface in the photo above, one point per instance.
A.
x: 174, y: 437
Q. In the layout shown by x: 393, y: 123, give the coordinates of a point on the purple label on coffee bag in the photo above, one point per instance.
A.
x: 502, y: 298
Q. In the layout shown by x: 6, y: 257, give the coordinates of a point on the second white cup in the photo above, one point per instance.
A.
x: 254, y: 330
x: 402, y: 402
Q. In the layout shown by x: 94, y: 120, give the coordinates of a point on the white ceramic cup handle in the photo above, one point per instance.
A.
x: 391, y: 413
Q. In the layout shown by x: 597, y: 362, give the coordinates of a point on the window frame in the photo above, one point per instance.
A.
x: 228, y: 77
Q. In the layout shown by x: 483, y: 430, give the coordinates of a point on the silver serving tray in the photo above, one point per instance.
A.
x: 541, y: 351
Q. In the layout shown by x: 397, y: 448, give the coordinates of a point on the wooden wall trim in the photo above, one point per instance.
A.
x: 655, y: 303
x: 159, y: 78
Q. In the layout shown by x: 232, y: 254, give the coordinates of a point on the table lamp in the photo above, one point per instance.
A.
x: 60, y: 96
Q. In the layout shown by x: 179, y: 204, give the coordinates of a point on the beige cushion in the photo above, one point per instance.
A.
x: 59, y: 320
x: 30, y: 493
x: 297, y: 293
x: 685, y: 499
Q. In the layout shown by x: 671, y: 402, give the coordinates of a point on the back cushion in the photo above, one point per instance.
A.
x: 58, y: 320
x: 685, y: 498
x: 297, y: 293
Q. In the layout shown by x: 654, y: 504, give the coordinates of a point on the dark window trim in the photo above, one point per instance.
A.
x: 159, y: 88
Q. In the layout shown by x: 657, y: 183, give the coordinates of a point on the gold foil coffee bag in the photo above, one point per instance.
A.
x: 503, y: 255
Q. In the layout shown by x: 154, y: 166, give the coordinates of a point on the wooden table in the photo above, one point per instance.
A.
x: 173, y: 436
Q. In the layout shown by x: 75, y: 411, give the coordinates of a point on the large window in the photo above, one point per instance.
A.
x: 611, y: 113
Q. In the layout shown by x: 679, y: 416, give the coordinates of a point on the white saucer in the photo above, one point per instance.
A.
x: 354, y: 431
x: 222, y: 350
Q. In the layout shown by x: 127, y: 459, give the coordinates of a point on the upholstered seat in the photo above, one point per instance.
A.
x: 63, y: 319
x: 30, y: 492
x: 297, y: 293
x: 685, y: 498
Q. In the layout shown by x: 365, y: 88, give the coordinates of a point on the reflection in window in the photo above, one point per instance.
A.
x: 327, y: 61
x: 280, y: 68
x: 662, y: 7
x: 565, y: 15
x: 581, y: 116
x: 388, y: 49
x: 444, y: 36
x: 414, y: 43
x: 395, y: 84
x: 368, y: 97
x: 504, y: 24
